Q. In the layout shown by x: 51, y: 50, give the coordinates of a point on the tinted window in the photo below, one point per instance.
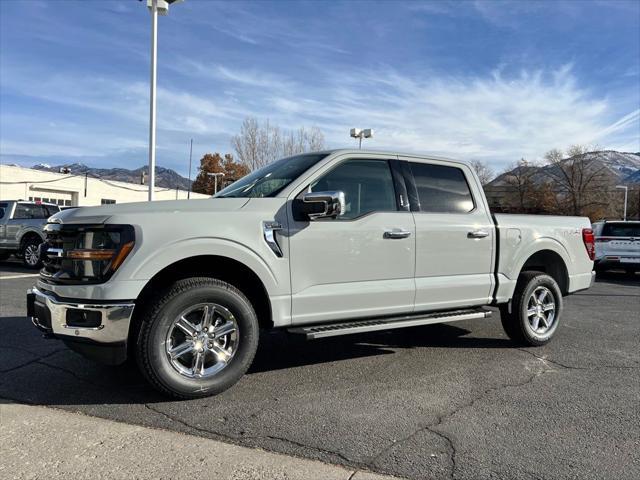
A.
x: 367, y: 186
x: 621, y: 230
x: 52, y: 210
x: 4, y: 207
x: 27, y: 211
x: 270, y: 180
x: 442, y: 189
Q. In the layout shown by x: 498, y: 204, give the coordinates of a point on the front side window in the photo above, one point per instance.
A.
x: 442, y: 189
x: 270, y: 180
x: 367, y: 186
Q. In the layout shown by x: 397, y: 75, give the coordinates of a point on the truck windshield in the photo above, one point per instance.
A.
x: 271, y: 179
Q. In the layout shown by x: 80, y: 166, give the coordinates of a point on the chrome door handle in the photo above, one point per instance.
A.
x: 396, y: 233
x: 478, y: 234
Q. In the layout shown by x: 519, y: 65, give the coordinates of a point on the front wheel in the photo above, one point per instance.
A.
x: 535, y: 309
x: 197, y: 338
x: 31, y: 253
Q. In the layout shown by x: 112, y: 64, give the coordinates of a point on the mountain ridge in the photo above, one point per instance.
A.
x: 165, y: 177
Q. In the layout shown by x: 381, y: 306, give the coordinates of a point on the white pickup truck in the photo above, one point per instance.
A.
x: 319, y: 244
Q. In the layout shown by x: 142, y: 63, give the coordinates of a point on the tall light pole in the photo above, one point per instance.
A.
x: 360, y: 134
x: 215, y: 179
x: 156, y: 7
x: 626, y: 191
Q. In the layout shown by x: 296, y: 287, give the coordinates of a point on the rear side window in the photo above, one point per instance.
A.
x: 367, y: 186
x: 51, y: 210
x: 27, y: 211
x: 442, y: 189
x: 621, y: 230
x: 4, y: 208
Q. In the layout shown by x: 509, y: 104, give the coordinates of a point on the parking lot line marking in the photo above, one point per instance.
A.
x: 22, y: 275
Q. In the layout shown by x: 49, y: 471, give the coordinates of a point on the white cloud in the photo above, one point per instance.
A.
x: 499, y: 117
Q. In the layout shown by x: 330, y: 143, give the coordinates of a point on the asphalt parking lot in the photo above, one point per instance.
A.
x: 444, y: 401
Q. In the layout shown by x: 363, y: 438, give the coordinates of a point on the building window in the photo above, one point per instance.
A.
x: 107, y: 201
x: 67, y: 203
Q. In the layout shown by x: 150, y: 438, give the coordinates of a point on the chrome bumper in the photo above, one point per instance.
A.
x: 50, y: 315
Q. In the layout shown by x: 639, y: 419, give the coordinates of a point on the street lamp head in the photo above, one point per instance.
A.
x: 624, y: 187
x: 355, y: 132
x: 367, y: 133
x: 162, y: 5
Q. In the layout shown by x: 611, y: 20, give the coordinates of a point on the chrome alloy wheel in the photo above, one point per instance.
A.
x: 32, y: 254
x: 541, y: 310
x: 202, y: 340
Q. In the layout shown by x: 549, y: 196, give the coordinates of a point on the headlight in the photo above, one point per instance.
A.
x: 85, y: 253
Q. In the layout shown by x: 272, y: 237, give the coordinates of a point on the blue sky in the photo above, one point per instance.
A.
x: 486, y: 80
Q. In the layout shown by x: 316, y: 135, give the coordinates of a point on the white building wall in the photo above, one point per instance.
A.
x: 20, y: 183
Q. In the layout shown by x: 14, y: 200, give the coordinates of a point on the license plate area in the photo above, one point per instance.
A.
x: 630, y: 260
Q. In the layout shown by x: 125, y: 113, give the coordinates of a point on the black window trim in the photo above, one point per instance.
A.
x: 395, y: 177
x: 415, y: 198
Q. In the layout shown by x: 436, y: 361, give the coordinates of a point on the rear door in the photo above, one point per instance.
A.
x: 454, y: 236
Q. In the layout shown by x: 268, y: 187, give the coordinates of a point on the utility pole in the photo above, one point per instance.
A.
x: 626, y: 192
x: 152, y: 98
x: 190, y: 154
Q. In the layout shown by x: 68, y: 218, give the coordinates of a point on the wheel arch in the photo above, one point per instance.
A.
x: 221, y: 267
x: 551, y: 263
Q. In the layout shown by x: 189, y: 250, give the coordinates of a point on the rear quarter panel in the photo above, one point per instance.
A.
x: 521, y: 236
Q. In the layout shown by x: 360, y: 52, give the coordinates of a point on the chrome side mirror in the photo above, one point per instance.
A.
x: 317, y: 205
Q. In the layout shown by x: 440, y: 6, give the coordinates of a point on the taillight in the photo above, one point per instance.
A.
x: 589, y: 242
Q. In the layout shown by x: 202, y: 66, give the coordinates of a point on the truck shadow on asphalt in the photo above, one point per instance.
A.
x: 44, y: 372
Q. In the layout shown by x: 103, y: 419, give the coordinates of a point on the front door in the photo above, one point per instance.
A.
x: 352, y: 266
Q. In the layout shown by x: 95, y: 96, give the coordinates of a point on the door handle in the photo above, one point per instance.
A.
x: 396, y: 233
x: 478, y: 234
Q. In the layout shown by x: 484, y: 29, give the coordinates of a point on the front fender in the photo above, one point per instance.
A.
x: 26, y: 231
x: 182, y: 249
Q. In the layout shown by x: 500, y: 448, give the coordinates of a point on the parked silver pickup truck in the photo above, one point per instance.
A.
x: 21, y: 225
x: 320, y: 244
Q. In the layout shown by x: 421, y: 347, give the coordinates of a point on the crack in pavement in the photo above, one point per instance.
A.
x: 431, y: 427
x: 571, y: 367
x: 35, y: 360
x: 238, y: 439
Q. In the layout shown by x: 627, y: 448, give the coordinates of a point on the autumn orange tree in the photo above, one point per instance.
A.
x: 215, y: 163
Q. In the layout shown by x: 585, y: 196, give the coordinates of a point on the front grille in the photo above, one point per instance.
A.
x: 57, y: 241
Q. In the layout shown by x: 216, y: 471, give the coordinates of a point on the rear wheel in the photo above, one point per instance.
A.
x: 31, y: 252
x: 535, y: 309
x: 198, y: 338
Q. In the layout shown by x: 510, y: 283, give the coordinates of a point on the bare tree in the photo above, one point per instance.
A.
x: 260, y: 144
x: 582, y: 184
x: 483, y: 170
x: 519, y: 176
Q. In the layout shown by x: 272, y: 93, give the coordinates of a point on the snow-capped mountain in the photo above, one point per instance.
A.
x: 165, y: 177
x: 623, y: 167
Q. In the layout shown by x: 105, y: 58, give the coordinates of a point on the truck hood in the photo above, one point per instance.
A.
x: 102, y: 213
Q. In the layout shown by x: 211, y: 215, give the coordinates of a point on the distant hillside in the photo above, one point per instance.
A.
x: 165, y: 177
x: 623, y: 167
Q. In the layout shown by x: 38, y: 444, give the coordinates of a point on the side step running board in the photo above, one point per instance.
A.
x: 312, y: 332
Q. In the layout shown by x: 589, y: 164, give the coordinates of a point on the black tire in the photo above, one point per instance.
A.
x: 516, y: 321
x: 30, y: 247
x: 158, y: 319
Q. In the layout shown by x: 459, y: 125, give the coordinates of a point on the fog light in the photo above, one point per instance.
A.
x: 83, y: 318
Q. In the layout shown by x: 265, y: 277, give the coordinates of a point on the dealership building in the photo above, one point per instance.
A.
x: 76, y: 190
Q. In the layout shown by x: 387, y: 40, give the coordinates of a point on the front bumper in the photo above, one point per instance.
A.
x: 97, y: 330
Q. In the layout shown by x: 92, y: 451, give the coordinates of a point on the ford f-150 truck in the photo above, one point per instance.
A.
x: 319, y: 244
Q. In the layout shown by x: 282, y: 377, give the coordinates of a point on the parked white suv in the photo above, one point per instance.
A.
x: 617, y: 245
x: 320, y: 244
